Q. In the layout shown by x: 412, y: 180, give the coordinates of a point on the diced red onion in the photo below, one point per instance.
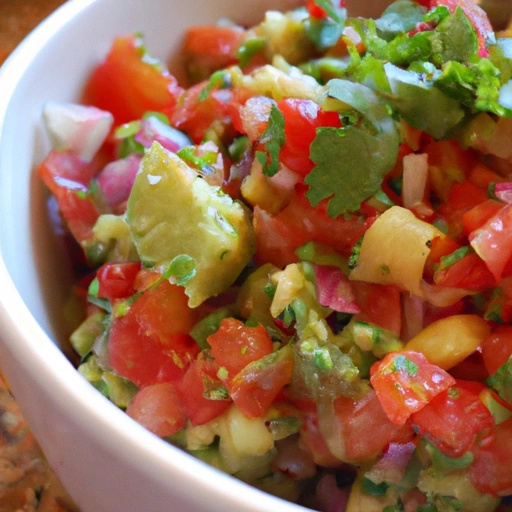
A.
x: 504, y: 191
x: 152, y: 129
x: 334, y: 290
x: 413, y: 315
x: 330, y: 498
x: 414, y: 179
x: 77, y: 128
x: 117, y: 178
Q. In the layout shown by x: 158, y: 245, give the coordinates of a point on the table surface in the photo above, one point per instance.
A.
x: 27, y: 483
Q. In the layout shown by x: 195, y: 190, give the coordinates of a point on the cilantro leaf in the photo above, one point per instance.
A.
x: 350, y: 162
x: 422, y: 105
x: 401, y: 16
x: 336, y: 13
x: 273, y: 140
x: 324, y: 33
x: 454, y: 39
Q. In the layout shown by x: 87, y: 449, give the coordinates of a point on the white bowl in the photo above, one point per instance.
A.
x: 107, y: 462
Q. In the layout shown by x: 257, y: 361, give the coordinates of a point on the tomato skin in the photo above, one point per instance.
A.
x: 157, y: 407
x: 366, y: 428
x: 379, y: 304
x: 405, y: 382
x: 278, y: 236
x: 235, y: 345
x: 461, y: 198
x: 199, y: 409
x: 454, y: 420
x: 497, y: 348
x: 212, y: 47
x: 493, y: 241
x: 127, y: 86
x: 469, y: 273
x: 149, y: 343
x: 312, y: 438
x: 480, y: 214
x: 302, y: 118
x: 117, y: 280
x: 68, y: 178
x: 63, y: 170
x: 490, y: 471
x: 194, y: 117
x: 255, y: 387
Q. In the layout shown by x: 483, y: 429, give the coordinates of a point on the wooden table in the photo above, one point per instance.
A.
x: 27, y: 483
x: 18, y: 18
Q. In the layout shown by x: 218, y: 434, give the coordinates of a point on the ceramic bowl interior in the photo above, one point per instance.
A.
x: 107, y: 462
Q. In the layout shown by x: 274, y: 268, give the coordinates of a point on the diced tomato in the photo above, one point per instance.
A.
x: 128, y: 85
x: 454, y: 420
x: 497, y: 348
x: 379, y: 304
x: 235, y: 345
x: 255, y: 387
x: 493, y: 241
x: 158, y: 408
x: 278, y: 236
x: 470, y: 273
x: 471, y: 369
x: 490, y: 471
x: 149, y: 342
x: 213, y: 46
x: 194, y: 116
x: 405, y: 382
x: 365, y: 427
x: 63, y: 170
x: 462, y: 198
x: 117, y: 280
x: 301, y: 120
x: 314, y: 442
x: 68, y: 178
x: 478, y: 215
x: 200, y: 375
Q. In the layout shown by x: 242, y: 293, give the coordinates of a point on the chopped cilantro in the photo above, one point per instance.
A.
x: 402, y: 363
x: 222, y: 373
x: 218, y: 80
x: 373, y: 489
x: 249, y: 48
x: 354, y: 256
x: 501, y: 381
x: 188, y: 153
x: 323, y: 360
x: 272, y: 139
x: 182, y: 268
x: 455, y: 256
x: 324, y: 33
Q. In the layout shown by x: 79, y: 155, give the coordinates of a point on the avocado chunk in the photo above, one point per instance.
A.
x: 172, y: 211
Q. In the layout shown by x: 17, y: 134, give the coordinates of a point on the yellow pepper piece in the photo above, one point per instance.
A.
x: 450, y: 340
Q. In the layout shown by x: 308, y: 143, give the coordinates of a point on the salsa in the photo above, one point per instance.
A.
x: 297, y: 266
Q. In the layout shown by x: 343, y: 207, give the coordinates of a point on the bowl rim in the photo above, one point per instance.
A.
x: 30, y: 345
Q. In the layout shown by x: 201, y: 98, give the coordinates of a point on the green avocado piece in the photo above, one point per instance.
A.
x: 172, y: 211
